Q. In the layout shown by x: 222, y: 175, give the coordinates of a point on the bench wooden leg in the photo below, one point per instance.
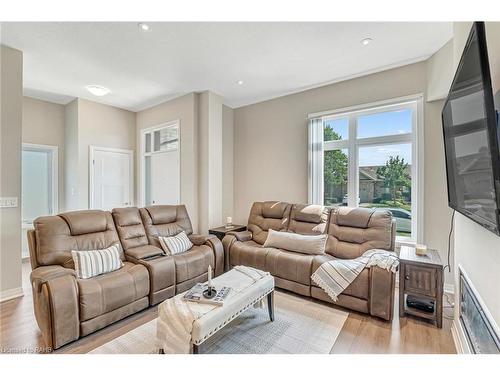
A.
x: 195, y: 349
x: 270, y: 305
x: 161, y: 351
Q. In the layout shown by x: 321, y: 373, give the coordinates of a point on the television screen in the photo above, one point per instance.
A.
x: 471, y: 137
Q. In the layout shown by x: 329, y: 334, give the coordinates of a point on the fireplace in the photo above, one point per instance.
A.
x: 476, y: 324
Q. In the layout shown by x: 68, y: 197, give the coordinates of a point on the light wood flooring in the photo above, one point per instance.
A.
x: 361, y: 333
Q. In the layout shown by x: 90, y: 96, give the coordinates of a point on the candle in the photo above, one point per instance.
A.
x: 210, y: 277
x: 421, y: 249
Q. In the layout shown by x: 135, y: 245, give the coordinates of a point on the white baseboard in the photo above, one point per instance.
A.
x: 10, y: 294
x: 459, y: 338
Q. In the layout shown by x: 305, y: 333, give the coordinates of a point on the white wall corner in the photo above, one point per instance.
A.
x: 11, y: 294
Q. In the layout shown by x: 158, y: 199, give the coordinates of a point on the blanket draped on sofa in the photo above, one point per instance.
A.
x: 336, y: 275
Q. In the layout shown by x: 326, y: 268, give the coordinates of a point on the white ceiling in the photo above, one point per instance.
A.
x: 146, y: 68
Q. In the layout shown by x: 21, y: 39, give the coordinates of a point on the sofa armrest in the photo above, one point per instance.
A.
x: 41, y: 275
x: 144, y: 252
x: 229, y: 239
x: 393, y: 235
x: 382, y: 288
x: 55, y: 301
x: 241, y: 236
x: 216, y: 245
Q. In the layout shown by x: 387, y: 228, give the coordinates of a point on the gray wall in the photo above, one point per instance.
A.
x: 270, y: 144
x: 183, y: 109
x: 43, y: 123
x: 11, y: 102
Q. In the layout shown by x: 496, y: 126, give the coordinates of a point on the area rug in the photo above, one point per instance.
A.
x: 300, y: 326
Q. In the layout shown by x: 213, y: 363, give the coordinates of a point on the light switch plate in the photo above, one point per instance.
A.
x: 8, y: 202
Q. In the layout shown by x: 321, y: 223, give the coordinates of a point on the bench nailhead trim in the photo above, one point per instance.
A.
x: 232, y: 317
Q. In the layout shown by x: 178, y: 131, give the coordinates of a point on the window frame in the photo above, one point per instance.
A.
x: 353, y: 144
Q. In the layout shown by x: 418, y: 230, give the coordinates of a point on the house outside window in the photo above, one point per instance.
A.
x: 368, y: 157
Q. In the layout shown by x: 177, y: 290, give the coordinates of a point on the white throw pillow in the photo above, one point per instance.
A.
x: 299, y: 243
x: 96, y: 262
x: 176, y: 244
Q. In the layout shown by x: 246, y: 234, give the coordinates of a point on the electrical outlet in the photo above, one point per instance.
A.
x: 8, y: 202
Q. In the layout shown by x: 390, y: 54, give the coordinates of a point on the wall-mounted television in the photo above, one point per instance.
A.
x: 471, y: 136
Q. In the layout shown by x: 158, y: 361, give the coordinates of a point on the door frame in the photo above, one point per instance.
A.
x: 130, y: 153
x: 54, y: 175
x: 142, y: 157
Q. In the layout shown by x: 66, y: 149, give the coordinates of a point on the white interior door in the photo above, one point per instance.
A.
x: 165, y: 178
x: 160, y: 165
x: 111, y: 178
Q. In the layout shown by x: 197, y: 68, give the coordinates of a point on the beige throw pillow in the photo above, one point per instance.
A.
x: 299, y: 243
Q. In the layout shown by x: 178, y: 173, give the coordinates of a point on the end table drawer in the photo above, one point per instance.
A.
x: 420, y: 280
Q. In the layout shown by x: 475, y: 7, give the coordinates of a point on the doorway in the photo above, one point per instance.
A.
x: 39, y: 194
x: 111, y: 178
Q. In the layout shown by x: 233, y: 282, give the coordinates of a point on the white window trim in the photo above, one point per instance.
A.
x: 416, y: 138
x: 143, y: 154
x: 54, y: 171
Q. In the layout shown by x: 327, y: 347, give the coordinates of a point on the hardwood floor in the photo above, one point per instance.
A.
x: 361, y: 333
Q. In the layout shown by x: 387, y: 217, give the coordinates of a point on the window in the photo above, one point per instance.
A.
x: 367, y: 157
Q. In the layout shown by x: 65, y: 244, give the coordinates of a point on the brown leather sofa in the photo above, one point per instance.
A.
x: 67, y: 308
x: 350, y: 233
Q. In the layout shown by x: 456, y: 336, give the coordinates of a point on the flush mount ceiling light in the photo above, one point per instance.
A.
x: 98, y: 90
x: 240, y: 82
x: 366, y: 41
x: 144, y: 26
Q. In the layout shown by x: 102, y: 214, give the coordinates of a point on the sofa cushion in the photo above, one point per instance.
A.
x: 177, y: 244
x: 54, y: 238
x: 165, y: 221
x: 129, y: 227
x: 96, y: 262
x: 248, y: 253
x: 104, y: 293
x: 289, y: 265
x: 84, y: 222
x: 265, y: 216
x: 351, y: 232
x: 193, y: 263
x: 301, y: 243
x: 308, y: 219
x: 359, y: 287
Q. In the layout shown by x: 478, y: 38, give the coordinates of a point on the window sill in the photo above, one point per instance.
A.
x: 405, y: 241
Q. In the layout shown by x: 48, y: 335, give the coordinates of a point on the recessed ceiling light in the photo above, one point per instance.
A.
x: 98, y: 90
x: 144, y: 26
x: 240, y: 82
x: 366, y: 41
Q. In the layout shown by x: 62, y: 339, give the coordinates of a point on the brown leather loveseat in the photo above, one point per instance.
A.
x: 350, y: 233
x: 67, y: 307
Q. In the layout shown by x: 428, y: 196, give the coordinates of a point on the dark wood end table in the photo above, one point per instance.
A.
x: 421, y: 276
x: 220, y: 232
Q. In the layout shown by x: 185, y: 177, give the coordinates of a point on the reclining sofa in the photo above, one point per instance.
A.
x: 67, y: 308
x: 351, y: 232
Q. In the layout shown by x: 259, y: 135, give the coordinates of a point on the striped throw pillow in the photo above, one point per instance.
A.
x: 176, y: 244
x: 96, y: 262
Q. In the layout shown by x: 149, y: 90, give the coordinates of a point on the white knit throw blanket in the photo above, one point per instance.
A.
x: 336, y: 275
x: 177, y: 316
